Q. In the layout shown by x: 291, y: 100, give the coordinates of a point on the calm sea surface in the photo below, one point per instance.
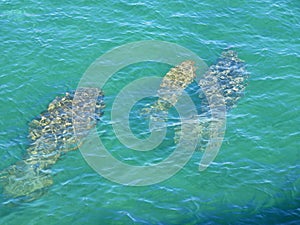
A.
x: 46, y: 46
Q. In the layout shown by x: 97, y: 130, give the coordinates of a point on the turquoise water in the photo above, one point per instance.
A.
x: 46, y: 47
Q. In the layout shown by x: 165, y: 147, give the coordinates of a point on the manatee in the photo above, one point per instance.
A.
x: 171, y: 88
x: 51, y: 135
x: 229, y: 73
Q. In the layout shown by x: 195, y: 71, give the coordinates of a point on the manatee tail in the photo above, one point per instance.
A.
x: 23, y: 182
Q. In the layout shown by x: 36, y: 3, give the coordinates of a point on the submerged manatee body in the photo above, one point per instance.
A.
x: 171, y: 88
x: 51, y: 135
x: 229, y: 73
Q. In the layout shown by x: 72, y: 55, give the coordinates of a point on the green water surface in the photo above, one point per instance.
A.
x: 46, y: 47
